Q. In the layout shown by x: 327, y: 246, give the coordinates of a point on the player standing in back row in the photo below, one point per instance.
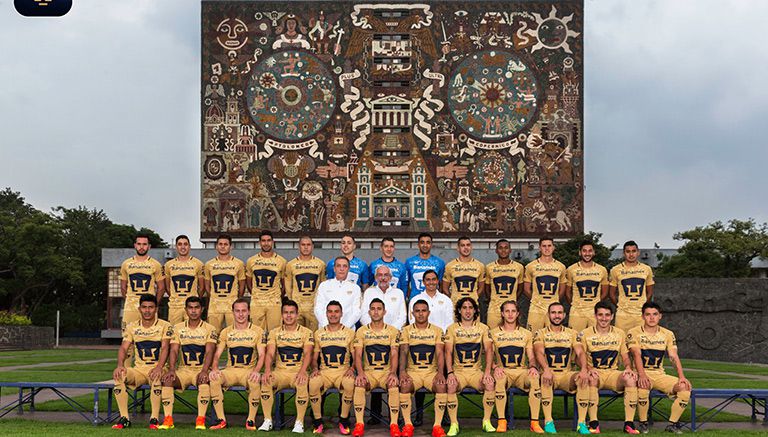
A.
x: 183, y: 278
x: 544, y: 284
x: 631, y: 286
x: 264, y: 279
x: 587, y: 284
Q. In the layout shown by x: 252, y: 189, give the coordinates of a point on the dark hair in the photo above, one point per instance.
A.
x: 460, y: 303
x: 462, y: 238
x: 141, y: 235
x: 350, y: 236
x: 146, y: 297
x: 502, y: 240
x: 424, y: 234
x: 377, y: 300
x: 306, y: 237
x: 605, y: 306
x: 553, y: 304
x: 242, y: 300
x: 586, y: 243
x: 194, y: 299
x: 289, y: 303
x: 629, y: 243
x: 392, y: 240
x: 265, y: 233
x: 334, y: 303
x: 421, y: 302
x: 224, y: 237
x: 546, y: 238
x: 182, y: 237
x: 430, y: 271
x: 651, y: 305
x: 340, y: 257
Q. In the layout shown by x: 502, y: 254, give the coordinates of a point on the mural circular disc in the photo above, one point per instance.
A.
x: 291, y: 95
x: 494, y: 173
x: 493, y: 95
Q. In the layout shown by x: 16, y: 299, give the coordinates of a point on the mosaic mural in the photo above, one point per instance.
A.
x: 392, y: 118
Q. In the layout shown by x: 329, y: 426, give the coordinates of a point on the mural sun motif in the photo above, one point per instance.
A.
x: 552, y: 32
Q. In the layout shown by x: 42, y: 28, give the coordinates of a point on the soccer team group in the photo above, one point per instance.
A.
x: 309, y: 326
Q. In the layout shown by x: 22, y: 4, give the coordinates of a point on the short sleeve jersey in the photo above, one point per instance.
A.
x: 558, y: 347
x: 631, y: 282
x: 603, y: 350
x: 467, y: 344
x: 465, y: 278
x: 585, y: 283
x: 652, y: 347
x: 192, y: 342
x: 183, y: 277
x: 377, y: 346
x: 265, y: 274
x: 503, y: 280
x: 511, y: 346
x: 141, y: 277
x: 223, y: 278
x: 422, y: 346
x: 147, y: 341
x: 304, y: 277
x: 415, y: 268
x: 242, y: 345
x: 335, y: 347
x: 289, y: 346
x: 545, y: 279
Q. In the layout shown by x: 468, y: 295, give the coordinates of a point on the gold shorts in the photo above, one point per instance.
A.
x: 610, y: 380
x: 580, y: 320
x: 268, y: 316
x: 282, y: 379
x: 176, y: 315
x: 377, y: 378
x: 137, y: 376
x: 537, y: 319
x: 423, y: 379
x: 130, y: 316
x: 494, y: 314
x: 662, y: 382
x: 331, y: 378
x: 218, y: 318
x: 626, y: 321
x: 187, y: 376
x: 517, y: 378
x: 562, y: 381
x: 469, y: 378
x: 307, y: 319
x: 237, y: 376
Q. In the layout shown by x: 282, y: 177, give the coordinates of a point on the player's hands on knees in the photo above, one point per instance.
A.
x: 547, y: 377
x: 119, y: 373
x: 488, y: 381
x: 266, y: 378
x: 452, y: 381
x: 440, y: 380
x: 405, y: 379
x: 684, y: 384
x: 301, y: 377
x: 254, y: 376
x: 629, y: 375
x: 361, y: 380
x: 202, y: 378
x: 315, y: 373
x: 214, y: 375
x: 155, y: 373
x: 533, y: 372
x: 644, y: 382
x: 168, y: 377
x: 498, y: 373
x: 582, y: 378
x: 350, y: 373
x: 392, y: 380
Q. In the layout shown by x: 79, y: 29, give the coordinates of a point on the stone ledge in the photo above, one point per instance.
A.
x: 27, y: 337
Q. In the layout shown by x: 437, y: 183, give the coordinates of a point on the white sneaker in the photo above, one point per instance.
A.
x: 298, y: 427
x: 266, y: 426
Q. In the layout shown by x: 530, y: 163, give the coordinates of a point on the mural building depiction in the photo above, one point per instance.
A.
x: 392, y: 118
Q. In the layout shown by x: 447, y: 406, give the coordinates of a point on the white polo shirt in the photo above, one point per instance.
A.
x: 394, y: 303
x: 347, y: 293
x: 440, y: 309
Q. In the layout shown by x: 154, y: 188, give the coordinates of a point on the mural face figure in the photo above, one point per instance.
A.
x: 232, y: 34
x: 552, y: 33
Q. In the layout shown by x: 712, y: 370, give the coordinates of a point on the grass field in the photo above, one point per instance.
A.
x: 19, y: 358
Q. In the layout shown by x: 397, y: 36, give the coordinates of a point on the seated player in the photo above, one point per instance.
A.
x: 648, y: 343
x: 515, y: 365
x: 245, y: 342
x: 333, y: 352
x: 603, y: 344
x: 289, y: 349
x: 554, y: 345
x: 376, y: 348
x: 422, y: 366
x: 464, y: 342
x: 195, y: 342
x: 150, y: 338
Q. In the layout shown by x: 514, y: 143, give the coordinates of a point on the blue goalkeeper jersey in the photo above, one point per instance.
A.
x: 416, y: 266
x: 399, y: 277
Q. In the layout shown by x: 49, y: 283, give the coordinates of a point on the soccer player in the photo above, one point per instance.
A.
x: 149, y: 337
x: 246, y: 346
x: 515, y: 365
x: 195, y: 342
x: 183, y: 276
x: 303, y: 275
x: 341, y: 290
x: 264, y: 279
x: 587, y: 284
x: 358, y: 271
x: 139, y: 274
x: 544, y: 284
x: 422, y: 366
x: 464, y: 342
x: 376, y: 348
x: 289, y: 349
x: 464, y: 276
x: 502, y: 277
x: 224, y: 283
x: 391, y: 295
x: 603, y: 344
x: 553, y: 346
x: 398, y: 277
x: 647, y: 344
x: 333, y: 351
x: 631, y: 286
x: 441, y: 310
x: 417, y: 265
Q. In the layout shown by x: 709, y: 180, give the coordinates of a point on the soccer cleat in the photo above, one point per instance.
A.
x: 359, y: 430
x: 629, y: 428
x: 549, y: 427
x: 595, y: 430
x: 501, y: 426
x: 407, y: 431
x: 453, y: 430
x: 200, y: 422
x: 583, y: 429
x: 643, y: 427
x: 122, y: 423
x: 487, y: 427
x: 674, y: 428
x: 298, y: 427
x: 220, y: 424
x: 250, y: 425
x: 437, y: 431
x: 344, y: 427
x: 317, y: 429
x: 154, y: 423
x: 167, y: 423
x: 536, y: 427
x: 394, y: 430
x: 266, y: 425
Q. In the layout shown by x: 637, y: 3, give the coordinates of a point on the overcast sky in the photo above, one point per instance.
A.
x: 101, y: 108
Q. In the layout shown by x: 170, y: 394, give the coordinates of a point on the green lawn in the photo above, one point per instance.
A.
x: 718, y: 366
x: 20, y: 358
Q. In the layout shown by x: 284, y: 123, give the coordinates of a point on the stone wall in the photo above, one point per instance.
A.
x: 27, y: 337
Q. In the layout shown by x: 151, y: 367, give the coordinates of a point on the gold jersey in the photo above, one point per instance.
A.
x: 631, y: 282
x: 183, y: 277
x: 545, y: 279
x: 503, y: 280
x: 465, y: 278
x: 511, y: 346
x: 377, y: 346
x: 289, y: 346
x: 335, y: 347
x: 147, y: 341
x: 223, y: 278
x: 585, y: 283
x: 603, y: 350
x: 652, y: 347
x: 422, y: 347
x: 302, y: 279
x: 141, y: 277
x: 558, y: 347
x: 242, y: 345
x: 265, y: 274
x: 192, y: 342
x: 467, y: 344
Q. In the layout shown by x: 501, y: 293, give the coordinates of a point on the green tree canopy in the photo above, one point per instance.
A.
x: 568, y: 252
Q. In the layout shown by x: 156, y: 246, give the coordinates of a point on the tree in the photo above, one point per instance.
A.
x: 568, y: 252
x: 718, y: 250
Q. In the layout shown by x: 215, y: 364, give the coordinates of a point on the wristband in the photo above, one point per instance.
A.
x: 450, y: 372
